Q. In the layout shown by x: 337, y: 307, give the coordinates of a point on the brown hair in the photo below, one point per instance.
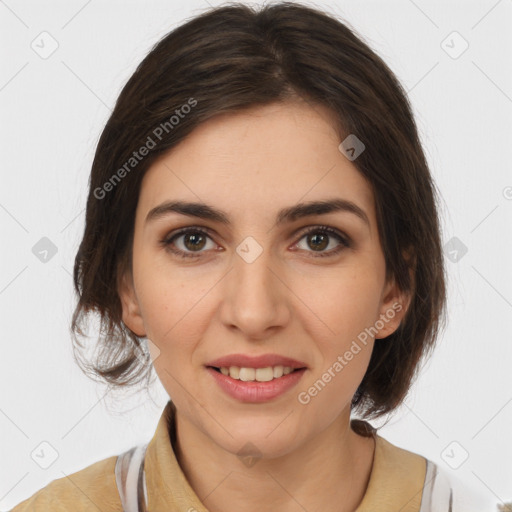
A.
x: 234, y: 57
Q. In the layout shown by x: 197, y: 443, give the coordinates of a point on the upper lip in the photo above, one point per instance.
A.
x: 261, y: 361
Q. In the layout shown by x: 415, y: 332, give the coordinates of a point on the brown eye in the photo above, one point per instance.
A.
x: 318, y: 238
x: 187, y: 242
x: 190, y: 242
x: 318, y: 241
x: 193, y: 241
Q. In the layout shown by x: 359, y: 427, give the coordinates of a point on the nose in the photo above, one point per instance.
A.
x: 255, y: 297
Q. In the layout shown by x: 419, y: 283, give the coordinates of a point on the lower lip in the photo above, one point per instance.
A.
x: 256, y: 392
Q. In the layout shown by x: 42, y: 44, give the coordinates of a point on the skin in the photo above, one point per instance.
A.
x: 290, y: 302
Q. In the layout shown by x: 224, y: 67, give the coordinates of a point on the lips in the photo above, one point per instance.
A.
x: 261, y: 361
x: 254, y: 391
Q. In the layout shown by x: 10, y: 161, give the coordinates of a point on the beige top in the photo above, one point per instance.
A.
x: 396, y: 481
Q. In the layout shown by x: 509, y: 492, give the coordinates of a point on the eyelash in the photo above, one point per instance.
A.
x: 168, y: 241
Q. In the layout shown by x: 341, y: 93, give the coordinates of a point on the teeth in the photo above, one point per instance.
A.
x: 278, y: 371
x: 256, y: 374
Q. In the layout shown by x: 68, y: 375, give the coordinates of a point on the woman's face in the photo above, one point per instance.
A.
x: 255, y: 282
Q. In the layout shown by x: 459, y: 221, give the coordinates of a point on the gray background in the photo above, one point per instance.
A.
x: 53, y: 108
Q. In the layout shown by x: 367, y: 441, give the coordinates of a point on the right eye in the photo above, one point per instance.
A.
x: 192, y: 238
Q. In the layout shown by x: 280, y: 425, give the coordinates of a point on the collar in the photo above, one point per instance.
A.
x: 396, y: 480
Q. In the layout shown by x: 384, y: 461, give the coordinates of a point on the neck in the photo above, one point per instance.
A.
x: 329, y: 472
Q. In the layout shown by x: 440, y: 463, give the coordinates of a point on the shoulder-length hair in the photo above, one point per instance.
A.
x: 228, y: 59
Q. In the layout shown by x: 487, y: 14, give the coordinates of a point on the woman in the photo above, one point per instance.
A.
x: 262, y: 214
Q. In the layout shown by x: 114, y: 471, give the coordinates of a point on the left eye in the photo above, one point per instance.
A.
x: 195, y: 239
x: 319, y: 237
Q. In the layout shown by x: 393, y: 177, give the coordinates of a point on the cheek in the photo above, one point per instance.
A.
x: 173, y: 310
x: 345, y: 309
x: 344, y: 302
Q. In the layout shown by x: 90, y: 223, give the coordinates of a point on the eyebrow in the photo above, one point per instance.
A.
x: 289, y: 214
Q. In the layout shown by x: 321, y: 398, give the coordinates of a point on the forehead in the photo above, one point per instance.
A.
x: 257, y: 161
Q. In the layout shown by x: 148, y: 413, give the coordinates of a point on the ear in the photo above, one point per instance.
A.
x: 395, y: 304
x: 132, y: 316
x: 393, y: 308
